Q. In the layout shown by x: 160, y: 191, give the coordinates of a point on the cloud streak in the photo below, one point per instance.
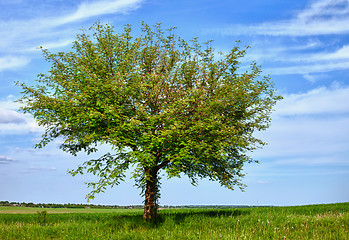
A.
x: 301, y: 44
x: 38, y: 169
x: 317, y: 101
x: 305, y: 69
x: 314, y: 161
x: 13, y: 62
x: 276, y: 54
x: 98, y: 8
x: 304, y: 63
x: 320, y: 18
x: 5, y: 160
x: 25, y: 35
x: 308, y: 130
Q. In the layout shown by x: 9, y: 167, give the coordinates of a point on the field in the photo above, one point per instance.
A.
x: 24, y: 210
x: 330, y: 221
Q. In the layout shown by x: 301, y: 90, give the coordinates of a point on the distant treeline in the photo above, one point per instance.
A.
x: 73, y: 205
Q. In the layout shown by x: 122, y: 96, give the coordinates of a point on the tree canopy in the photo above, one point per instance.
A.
x: 162, y: 103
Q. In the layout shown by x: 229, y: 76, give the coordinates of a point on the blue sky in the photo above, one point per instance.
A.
x: 302, y: 44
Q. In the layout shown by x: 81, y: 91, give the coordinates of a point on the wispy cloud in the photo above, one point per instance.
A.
x: 315, y: 77
x: 317, y: 101
x: 314, y: 161
x: 306, y: 136
x: 98, y: 8
x: 24, y: 35
x: 309, y: 128
x: 313, y: 62
x: 56, y: 44
x: 277, y: 54
x: 267, y: 50
x: 5, y: 160
x: 39, y: 169
x: 263, y: 182
x: 310, y: 42
x: 324, y: 10
x: 320, y: 18
x: 285, y: 58
x: 309, y: 68
x: 340, y: 54
x: 13, y: 62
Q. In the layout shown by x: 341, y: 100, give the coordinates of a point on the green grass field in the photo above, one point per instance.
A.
x: 329, y: 221
x: 25, y: 210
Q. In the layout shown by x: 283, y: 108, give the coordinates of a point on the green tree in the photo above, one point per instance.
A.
x: 161, y: 103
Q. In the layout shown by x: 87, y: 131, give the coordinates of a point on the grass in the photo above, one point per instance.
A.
x: 26, y: 210
x: 329, y: 221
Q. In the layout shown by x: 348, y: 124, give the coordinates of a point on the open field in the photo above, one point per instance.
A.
x: 329, y: 221
x: 26, y: 210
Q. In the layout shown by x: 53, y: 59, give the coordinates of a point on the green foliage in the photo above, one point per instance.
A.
x: 329, y: 221
x: 161, y: 102
x: 42, y: 217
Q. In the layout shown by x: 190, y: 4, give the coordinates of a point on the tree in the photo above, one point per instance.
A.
x: 161, y: 103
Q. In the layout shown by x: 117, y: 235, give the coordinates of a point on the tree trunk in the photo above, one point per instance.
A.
x: 150, y: 203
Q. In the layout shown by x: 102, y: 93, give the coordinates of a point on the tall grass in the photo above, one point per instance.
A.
x: 303, y: 222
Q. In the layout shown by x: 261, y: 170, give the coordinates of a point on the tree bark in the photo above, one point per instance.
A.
x: 150, y: 203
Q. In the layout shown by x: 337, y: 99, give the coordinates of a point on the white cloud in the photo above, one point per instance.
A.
x: 314, y: 161
x: 39, y: 169
x: 263, y: 182
x: 263, y: 50
x: 22, y: 36
x: 309, y: 128
x: 5, y: 160
x: 10, y: 116
x: 299, y: 56
x: 317, y: 101
x: 98, y: 8
x: 308, y: 68
x: 296, y: 28
x: 337, y: 56
x: 13, y: 122
x: 325, y: 9
x: 55, y: 44
x: 12, y: 62
x: 315, y: 77
x: 20, y: 128
x: 9, y: 103
x: 305, y: 136
x: 342, y: 53
x: 320, y: 18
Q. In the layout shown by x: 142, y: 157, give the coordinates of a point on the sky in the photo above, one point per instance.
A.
x: 303, y: 45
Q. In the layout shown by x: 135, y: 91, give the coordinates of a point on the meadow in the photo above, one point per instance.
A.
x: 328, y: 221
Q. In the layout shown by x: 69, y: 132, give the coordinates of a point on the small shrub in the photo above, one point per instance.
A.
x: 42, y: 217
